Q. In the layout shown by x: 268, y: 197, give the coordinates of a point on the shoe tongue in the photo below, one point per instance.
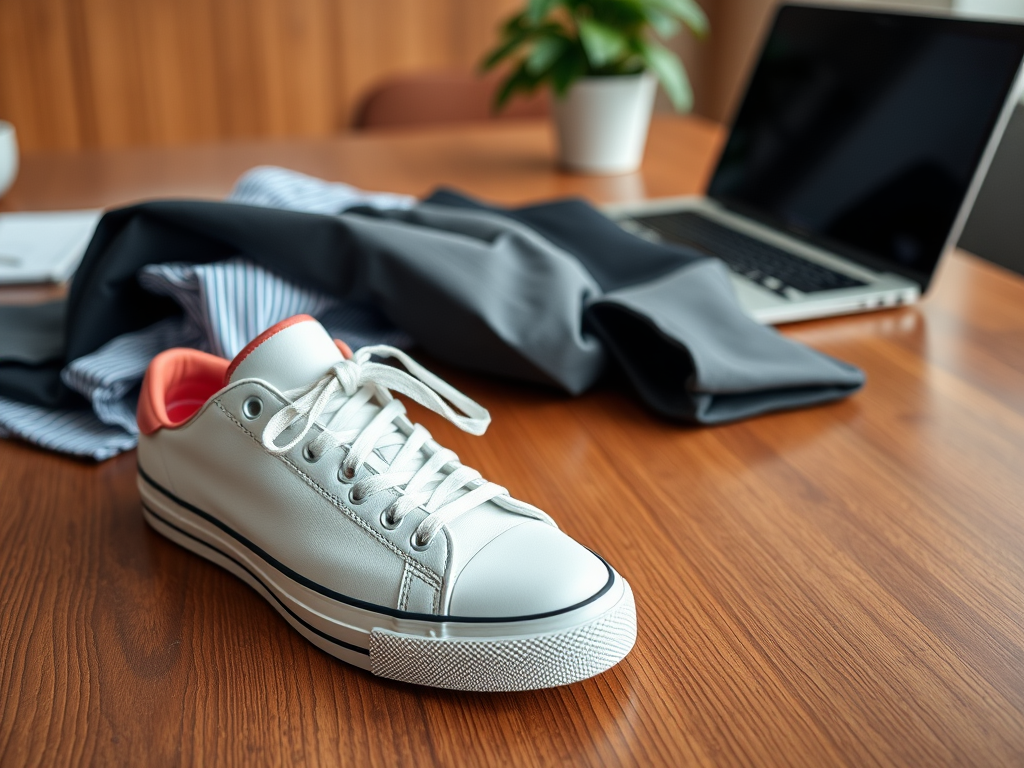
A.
x: 292, y: 354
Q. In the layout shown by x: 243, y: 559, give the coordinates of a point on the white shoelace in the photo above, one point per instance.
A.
x: 354, y: 405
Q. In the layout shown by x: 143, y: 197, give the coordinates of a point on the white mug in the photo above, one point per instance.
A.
x: 8, y: 156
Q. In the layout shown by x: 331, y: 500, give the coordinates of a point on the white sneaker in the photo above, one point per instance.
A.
x: 294, y: 468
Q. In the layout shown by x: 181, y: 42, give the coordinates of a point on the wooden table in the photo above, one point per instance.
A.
x: 838, y: 585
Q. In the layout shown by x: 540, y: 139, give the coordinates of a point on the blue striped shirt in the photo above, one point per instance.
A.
x: 224, y: 306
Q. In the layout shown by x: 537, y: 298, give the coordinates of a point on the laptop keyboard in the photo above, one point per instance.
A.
x: 775, y: 269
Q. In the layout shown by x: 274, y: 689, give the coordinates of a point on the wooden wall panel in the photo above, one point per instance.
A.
x: 112, y: 73
x: 38, y: 88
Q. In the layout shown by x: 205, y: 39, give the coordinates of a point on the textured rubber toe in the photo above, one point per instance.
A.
x: 511, y: 664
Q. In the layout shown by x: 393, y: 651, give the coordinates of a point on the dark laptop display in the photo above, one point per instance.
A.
x: 862, y: 131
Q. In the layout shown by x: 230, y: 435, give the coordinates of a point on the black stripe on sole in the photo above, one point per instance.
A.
x: 357, y: 603
x: 306, y: 624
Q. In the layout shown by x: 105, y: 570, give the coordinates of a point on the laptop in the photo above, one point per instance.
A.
x: 853, y: 161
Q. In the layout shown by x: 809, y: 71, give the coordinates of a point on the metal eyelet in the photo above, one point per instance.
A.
x: 387, y: 522
x: 308, y: 455
x: 354, y: 498
x: 346, y: 475
x: 416, y: 544
x: 252, y: 408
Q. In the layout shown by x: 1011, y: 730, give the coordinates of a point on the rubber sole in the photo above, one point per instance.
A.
x: 444, y: 652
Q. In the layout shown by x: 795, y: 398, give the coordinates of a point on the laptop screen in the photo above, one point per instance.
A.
x: 861, y: 131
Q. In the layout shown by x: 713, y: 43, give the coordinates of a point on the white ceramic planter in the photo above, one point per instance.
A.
x: 602, y: 123
x: 8, y: 156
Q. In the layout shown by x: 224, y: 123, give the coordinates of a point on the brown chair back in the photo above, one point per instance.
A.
x: 435, y: 98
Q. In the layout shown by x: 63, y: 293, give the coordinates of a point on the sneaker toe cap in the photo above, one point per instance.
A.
x: 530, y: 569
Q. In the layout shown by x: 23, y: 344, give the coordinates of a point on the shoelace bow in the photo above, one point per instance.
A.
x: 353, y: 384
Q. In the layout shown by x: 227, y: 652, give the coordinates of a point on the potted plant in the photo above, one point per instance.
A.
x: 601, y: 59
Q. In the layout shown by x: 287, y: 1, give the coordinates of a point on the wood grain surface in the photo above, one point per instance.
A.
x: 841, y: 585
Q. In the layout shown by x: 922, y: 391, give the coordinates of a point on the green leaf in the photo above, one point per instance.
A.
x: 519, y: 81
x: 603, y: 44
x: 627, y: 16
x: 669, y: 71
x: 687, y: 11
x: 536, y: 10
x: 504, y: 50
x: 514, y: 23
x: 545, y: 51
x: 568, y: 68
x: 664, y: 24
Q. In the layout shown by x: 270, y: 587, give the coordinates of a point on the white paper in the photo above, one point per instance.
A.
x: 44, y: 246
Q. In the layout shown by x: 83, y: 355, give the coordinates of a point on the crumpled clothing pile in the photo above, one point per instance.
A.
x: 550, y: 293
